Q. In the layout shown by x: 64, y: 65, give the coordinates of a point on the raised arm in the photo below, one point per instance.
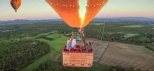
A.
x: 82, y: 36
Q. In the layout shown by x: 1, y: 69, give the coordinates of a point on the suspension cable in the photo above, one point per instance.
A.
x: 91, y: 17
x: 89, y: 26
x: 103, y: 28
x: 100, y: 31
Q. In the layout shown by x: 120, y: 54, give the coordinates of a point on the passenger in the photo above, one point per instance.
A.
x: 71, y: 43
x: 83, y: 48
x: 68, y: 46
x: 68, y: 41
x: 89, y: 46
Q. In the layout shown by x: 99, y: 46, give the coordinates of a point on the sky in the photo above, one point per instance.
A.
x: 39, y: 9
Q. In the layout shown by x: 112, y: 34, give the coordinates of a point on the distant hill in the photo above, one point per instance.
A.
x: 24, y: 21
x: 134, y: 19
x: 126, y: 19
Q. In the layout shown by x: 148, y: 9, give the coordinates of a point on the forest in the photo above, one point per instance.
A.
x: 23, y: 44
x: 16, y: 55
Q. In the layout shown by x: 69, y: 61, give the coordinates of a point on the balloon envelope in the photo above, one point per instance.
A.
x: 15, y: 4
x: 68, y: 10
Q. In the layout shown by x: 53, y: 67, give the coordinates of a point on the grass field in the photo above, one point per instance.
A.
x: 97, y: 23
x: 54, y: 35
x: 99, y: 67
x: 59, y: 43
x: 55, y: 46
x: 141, y: 38
x: 133, y: 26
x: 153, y: 45
x: 130, y: 35
x: 39, y: 61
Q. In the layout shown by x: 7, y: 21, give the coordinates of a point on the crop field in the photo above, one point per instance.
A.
x: 133, y: 26
x: 121, y: 54
x: 128, y: 55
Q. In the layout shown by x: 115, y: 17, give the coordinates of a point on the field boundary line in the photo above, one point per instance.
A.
x: 103, y: 52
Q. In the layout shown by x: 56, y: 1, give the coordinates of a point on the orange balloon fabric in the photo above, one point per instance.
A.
x: 15, y: 4
x: 68, y: 10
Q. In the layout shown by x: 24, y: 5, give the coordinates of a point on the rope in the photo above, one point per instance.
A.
x: 103, y: 30
x: 90, y: 18
x: 70, y: 28
x: 100, y: 32
x: 89, y: 27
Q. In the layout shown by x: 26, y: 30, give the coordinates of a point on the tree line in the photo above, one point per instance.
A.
x: 17, y: 55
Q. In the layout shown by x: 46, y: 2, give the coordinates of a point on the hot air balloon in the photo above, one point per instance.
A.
x: 70, y: 12
x: 15, y: 4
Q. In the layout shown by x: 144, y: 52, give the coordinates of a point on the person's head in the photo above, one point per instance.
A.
x: 72, y: 37
x: 89, y: 43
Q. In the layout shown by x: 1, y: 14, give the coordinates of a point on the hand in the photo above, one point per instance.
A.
x: 81, y: 31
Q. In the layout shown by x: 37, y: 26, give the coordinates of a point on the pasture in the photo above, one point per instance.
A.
x: 55, y: 45
x: 141, y: 38
x: 134, y: 26
x: 130, y: 35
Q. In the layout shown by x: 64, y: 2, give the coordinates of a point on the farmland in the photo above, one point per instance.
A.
x: 37, y: 46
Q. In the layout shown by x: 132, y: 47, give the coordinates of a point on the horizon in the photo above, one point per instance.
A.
x: 37, y: 10
x: 93, y: 18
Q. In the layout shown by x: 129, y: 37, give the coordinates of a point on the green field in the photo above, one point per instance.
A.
x: 130, y: 35
x: 141, y: 38
x: 55, y: 46
x: 52, y: 34
x: 97, y: 23
x: 39, y: 61
x: 133, y: 26
x: 152, y: 45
